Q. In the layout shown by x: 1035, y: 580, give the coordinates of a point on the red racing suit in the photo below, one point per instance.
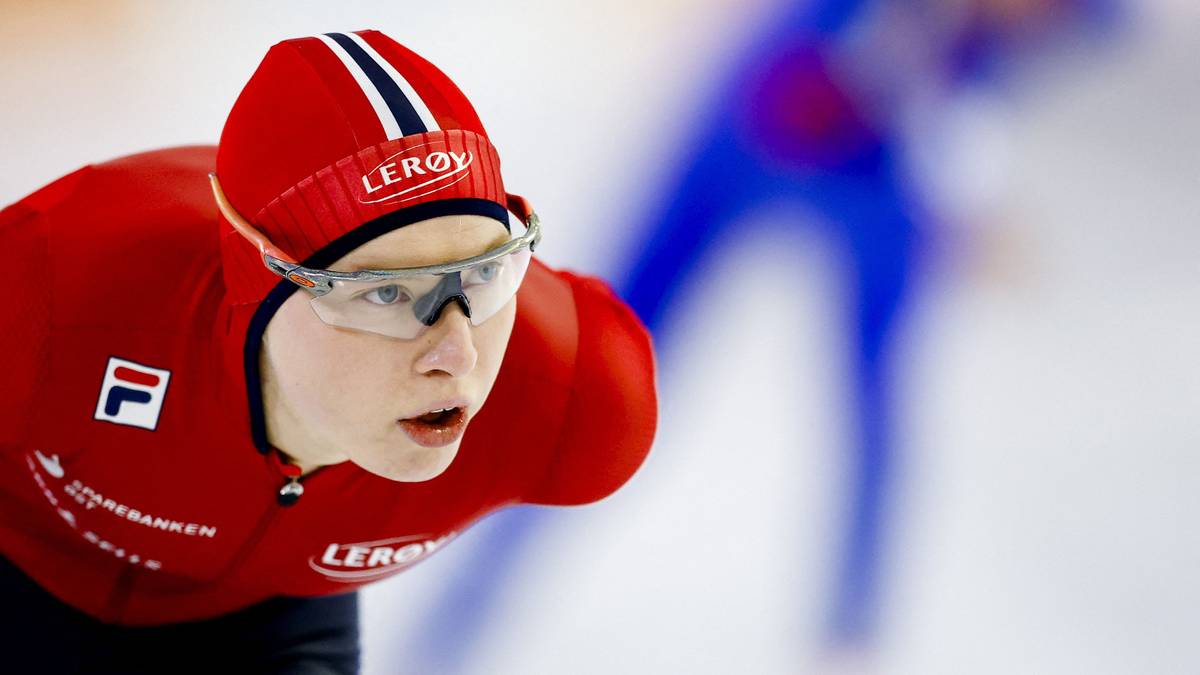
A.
x: 131, y: 486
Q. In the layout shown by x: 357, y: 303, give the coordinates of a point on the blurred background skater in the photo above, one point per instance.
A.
x: 812, y: 127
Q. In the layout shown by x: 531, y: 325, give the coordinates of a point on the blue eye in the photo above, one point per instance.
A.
x: 486, y: 273
x: 387, y: 295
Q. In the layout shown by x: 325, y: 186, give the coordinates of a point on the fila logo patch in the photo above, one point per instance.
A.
x: 132, y: 394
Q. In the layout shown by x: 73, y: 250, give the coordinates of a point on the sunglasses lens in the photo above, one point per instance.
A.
x: 402, y: 307
x: 492, y: 285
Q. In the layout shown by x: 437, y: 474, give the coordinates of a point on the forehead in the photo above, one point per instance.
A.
x: 426, y: 242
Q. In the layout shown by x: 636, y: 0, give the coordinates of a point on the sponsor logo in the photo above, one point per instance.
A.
x: 91, y: 499
x: 41, y: 482
x: 50, y: 464
x: 67, y: 516
x: 103, y: 544
x: 117, y: 551
x: 131, y: 394
x: 368, y: 560
x: 402, y: 174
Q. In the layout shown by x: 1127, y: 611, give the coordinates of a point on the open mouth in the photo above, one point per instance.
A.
x: 437, y: 427
x: 438, y: 417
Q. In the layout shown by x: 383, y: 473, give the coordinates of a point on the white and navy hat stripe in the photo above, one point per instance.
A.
x: 400, y: 109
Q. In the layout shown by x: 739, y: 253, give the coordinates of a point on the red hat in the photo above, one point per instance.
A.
x: 347, y: 134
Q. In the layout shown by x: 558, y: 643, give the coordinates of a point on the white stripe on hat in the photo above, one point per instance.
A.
x: 390, y: 126
x: 413, y: 97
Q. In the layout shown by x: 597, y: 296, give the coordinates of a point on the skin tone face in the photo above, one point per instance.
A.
x: 332, y: 394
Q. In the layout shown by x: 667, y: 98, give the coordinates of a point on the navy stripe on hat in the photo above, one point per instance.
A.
x: 402, y: 109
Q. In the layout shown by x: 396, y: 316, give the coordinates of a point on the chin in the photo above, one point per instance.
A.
x: 410, y: 465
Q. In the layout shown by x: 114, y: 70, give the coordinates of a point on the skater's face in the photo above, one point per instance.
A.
x: 333, y: 394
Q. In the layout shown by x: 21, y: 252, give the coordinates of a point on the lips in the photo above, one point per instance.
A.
x: 441, y: 425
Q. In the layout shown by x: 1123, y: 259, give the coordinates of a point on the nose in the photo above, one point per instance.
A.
x: 449, y: 348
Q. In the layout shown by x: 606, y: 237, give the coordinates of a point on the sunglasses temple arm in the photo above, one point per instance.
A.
x: 244, y: 228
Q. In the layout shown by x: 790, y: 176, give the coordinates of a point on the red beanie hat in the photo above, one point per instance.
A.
x: 340, y: 130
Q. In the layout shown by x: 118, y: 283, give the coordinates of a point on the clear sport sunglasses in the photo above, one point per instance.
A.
x: 403, y: 303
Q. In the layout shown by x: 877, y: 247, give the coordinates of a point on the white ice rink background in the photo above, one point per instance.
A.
x: 1049, y: 387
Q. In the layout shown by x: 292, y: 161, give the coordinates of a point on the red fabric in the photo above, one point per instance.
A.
x: 286, y: 124
x: 335, y: 200
x: 360, y: 117
x: 125, y: 259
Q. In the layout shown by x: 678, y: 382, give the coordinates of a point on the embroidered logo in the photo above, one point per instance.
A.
x: 402, y: 174
x: 132, y: 394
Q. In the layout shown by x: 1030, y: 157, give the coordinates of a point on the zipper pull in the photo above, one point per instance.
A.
x: 290, y: 492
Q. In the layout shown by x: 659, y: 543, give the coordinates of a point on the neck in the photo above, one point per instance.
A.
x: 288, y: 433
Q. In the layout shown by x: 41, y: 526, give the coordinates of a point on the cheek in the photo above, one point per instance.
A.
x: 491, y: 341
x: 333, y: 376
